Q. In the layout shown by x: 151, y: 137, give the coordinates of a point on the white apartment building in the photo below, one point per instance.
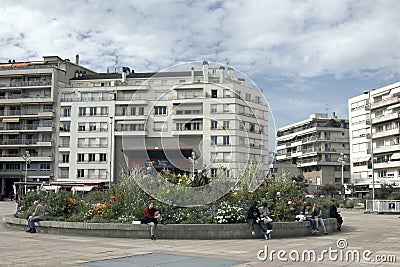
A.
x: 374, y: 118
x: 317, y: 146
x: 28, y: 105
x: 184, y: 121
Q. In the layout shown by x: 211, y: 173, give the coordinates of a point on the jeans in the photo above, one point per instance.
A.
x: 152, y: 227
x: 312, y: 223
x: 31, y: 222
x: 262, y: 225
x: 321, y: 221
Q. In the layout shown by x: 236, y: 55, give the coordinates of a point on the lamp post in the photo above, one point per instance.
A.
x: 342, y: 161
x: 27, y: 158
x: 192, y: 160
x: 372, y: 149
x: 111, y: 151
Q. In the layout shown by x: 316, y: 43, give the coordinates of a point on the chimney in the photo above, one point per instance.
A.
x: 124, y: 71
x: 205, y: 71
x: 77, y: 59
x: 230, y: 73
x: 192, y: 74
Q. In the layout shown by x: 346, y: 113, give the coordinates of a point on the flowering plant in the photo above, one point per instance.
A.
x: 229, y: 213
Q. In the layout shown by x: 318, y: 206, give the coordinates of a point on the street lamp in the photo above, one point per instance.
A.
x: 192, y: 160
x: 372, y: 148
x: 342, y: 161
x: 27, y: 158
x: 111, y: 151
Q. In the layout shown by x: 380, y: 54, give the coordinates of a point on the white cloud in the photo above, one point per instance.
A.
x: 285, y: 41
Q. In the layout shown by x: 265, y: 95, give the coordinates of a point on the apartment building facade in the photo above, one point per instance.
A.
x: 184, y: 121
x: 28, y: 104
x: 374, y: 140
x: 318, y: 147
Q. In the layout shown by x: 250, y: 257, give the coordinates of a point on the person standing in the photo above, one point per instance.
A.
x: 317, y: 212
x: 264, y: 215
x: 334, y: 213
x: 36, y: 216
x: 151, y: 217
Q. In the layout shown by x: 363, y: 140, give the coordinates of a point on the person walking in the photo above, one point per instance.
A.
x: 36, y: 216
x: 317, y: 212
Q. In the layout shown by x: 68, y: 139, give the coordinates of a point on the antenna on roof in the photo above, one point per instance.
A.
x: 116, y: 64
x: 227, y: 62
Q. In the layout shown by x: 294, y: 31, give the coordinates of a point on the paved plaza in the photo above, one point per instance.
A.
x: 368, y: 235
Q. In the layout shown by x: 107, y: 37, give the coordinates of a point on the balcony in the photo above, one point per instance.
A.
x: 386, y: 102
x: 385, y: 149
x: 385, y: 133
x: 187, y: 132
x: 383, y: 118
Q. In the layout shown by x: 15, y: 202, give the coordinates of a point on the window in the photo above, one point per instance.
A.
x: 226, y: 156
x: 160, y: 126
x: 82, y: 111
x: 93, y: 111
x: 66, y: 112
x: 81, y: 173
x: 65, y: 158
x: 196, y: 126
x: 214, y: 93
x: 180, y: 126
x: 214, y: 108
x: 81, y: 157
x: 66, y: 127
x: 92, y: 127
x: 213, y: 172
x: 141, y: 110
x: 104, y: 111
x: 124, y: 111
x: 103, y: 157
x: 47, y: 123
x: 46, y: 137
x: 214, y: 124
x: 248, y: 97
x: 133, y: 111
x: 241, y: 141
x: 213, y: 157
x: 214, y: 140
x: 225, y: 140
x: 226, y: 108
x: 160, y: 110
x: 81, y: 127
x: 44, y: 167
x: 225, y: 124
x: 227, y: 93
x: 92, y: 157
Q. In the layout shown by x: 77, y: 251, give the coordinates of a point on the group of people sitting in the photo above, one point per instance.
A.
x: 260, y: 216
x: 255, y: 215
x: 314, y: 216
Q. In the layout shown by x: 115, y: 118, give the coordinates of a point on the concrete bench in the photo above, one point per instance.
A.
x: 169, y: 231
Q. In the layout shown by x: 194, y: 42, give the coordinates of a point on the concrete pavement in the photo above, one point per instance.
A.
x: 369, y: 235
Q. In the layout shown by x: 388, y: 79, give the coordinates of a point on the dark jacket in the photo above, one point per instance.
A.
x: 253, y: 213
x: 333, y: 212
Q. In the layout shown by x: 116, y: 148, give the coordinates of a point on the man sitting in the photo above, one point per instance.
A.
x: 334, y: 213
x: 36, y: 216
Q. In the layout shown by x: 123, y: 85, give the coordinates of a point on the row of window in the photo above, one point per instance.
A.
x: 11, y: 166
x: 82, y: 157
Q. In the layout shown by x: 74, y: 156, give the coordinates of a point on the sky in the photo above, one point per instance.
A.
x: 307, y: 56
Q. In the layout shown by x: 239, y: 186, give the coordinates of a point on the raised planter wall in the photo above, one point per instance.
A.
x: 170, y: 231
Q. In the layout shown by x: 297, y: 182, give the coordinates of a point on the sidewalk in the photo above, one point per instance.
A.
x: 377, y: 233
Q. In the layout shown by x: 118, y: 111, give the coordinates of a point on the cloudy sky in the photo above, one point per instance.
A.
x: 307, y: 56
